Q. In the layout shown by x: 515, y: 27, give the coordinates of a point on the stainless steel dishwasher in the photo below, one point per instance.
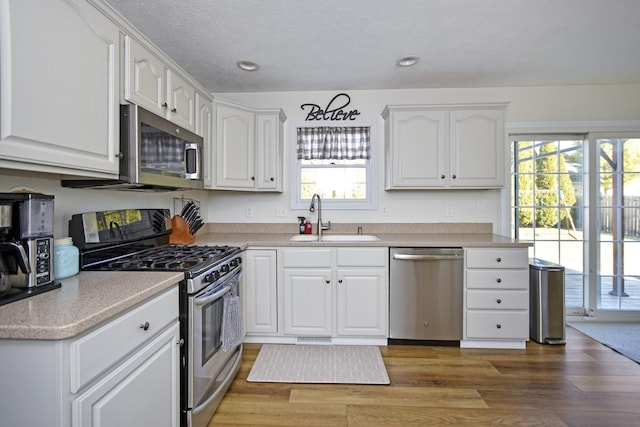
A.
x: 425, y: 294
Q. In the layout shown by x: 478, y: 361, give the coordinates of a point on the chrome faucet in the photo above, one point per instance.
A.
x: 312, y: 208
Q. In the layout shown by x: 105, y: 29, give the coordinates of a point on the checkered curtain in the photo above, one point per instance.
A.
x: 334, y: 143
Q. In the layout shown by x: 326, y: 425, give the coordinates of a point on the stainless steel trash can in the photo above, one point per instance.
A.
x: 546, y: 302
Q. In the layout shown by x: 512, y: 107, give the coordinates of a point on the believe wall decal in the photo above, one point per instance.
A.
x: 333, y: 111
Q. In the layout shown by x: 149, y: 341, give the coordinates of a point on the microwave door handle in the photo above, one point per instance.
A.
x: 191, y: 171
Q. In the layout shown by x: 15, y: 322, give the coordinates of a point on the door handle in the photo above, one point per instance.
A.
x: 412, y: 257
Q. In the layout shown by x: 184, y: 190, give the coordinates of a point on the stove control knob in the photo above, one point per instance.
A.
x: 225, y: 269
x: 212, y: 277
x: 234, y: 262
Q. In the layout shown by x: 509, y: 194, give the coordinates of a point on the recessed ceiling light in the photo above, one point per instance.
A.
x: 407, y: 61
x: 247, y: 65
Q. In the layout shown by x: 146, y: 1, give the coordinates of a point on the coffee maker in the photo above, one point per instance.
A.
x: 26, y: 241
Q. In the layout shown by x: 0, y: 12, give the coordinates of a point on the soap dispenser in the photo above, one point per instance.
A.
x: 301, y: 220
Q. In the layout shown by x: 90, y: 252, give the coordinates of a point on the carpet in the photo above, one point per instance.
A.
x: 619, y: 336
x: 339, y: 364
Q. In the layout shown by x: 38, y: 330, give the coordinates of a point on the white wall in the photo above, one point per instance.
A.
x: 69, y: 201
x: 541, y: 108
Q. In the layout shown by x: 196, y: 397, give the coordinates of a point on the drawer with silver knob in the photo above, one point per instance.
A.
x: 497, y: 279
x: 502, y: 258
x: 495, y: 324
x: 501, y: 300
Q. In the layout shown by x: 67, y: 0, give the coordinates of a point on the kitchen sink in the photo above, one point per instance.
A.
x: 334, y: 238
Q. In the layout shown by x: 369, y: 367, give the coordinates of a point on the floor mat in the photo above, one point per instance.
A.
x: 620, y: 336
x: 340, y: 364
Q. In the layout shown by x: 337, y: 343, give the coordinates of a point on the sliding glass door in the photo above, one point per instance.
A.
x: 548, y: 206
x: 577, y: 199
x: 617, y: 204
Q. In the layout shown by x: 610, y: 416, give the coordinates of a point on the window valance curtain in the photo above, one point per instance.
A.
x: 334, y: 143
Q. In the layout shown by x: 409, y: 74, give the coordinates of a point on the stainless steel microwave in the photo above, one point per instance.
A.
x: 155, y: 154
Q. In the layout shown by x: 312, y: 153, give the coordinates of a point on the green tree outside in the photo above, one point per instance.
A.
x: 555, y: 193
x: 525, y: 183
x: 631, y: 162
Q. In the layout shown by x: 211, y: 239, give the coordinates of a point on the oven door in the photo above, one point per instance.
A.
x: 206, y: 356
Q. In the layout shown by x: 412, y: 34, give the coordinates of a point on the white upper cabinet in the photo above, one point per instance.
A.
x: 416, y: 149
x: 204, y: 128
x: 235, y: 143
x: 249, y: 148
x: 154, y: 86
x: 444, y: 146
x: 477, y: 148
x: 60, y: 88
x: 182, y: 101
x: 145, y: 79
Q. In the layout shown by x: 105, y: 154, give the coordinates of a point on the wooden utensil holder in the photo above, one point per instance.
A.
x: 180, y: 233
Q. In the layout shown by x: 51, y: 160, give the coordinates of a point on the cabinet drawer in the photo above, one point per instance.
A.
x: 92, y: 354
x: 496, y: 258
x: 362, y: 257
x: 498, y: 279
x: 306, y: 257
x: 497, y: 325
x: 497, y: 300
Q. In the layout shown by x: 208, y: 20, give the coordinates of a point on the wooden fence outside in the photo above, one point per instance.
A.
x: 631, y: 215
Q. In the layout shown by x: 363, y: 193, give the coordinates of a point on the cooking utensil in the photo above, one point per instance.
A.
x: 193, y: 214
x: 197, y: 226
x: 188, y: 207
x: 184, y: 208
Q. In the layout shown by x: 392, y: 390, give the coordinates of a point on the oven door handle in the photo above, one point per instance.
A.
x: 213, y: 297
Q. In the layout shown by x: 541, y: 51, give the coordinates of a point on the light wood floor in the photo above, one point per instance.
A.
x: 581, y: 384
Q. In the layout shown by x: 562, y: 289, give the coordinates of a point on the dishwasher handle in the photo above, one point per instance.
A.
x: 424, y: 257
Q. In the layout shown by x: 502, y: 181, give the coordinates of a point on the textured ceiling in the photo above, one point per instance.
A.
x: 353, y: 44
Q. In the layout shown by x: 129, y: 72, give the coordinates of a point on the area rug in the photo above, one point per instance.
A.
x: 339, y: 364
x: 621, y: 337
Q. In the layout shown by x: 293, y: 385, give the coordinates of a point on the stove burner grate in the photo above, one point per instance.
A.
x: 171, y: 258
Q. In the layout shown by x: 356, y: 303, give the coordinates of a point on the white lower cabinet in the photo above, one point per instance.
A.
x: 361, y: 302
x: 260, y: 293
x: 335, y: 292
x: 308, y: 302
x: 124, y: 372
x: 142, y: 391
x: 496, y: 298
